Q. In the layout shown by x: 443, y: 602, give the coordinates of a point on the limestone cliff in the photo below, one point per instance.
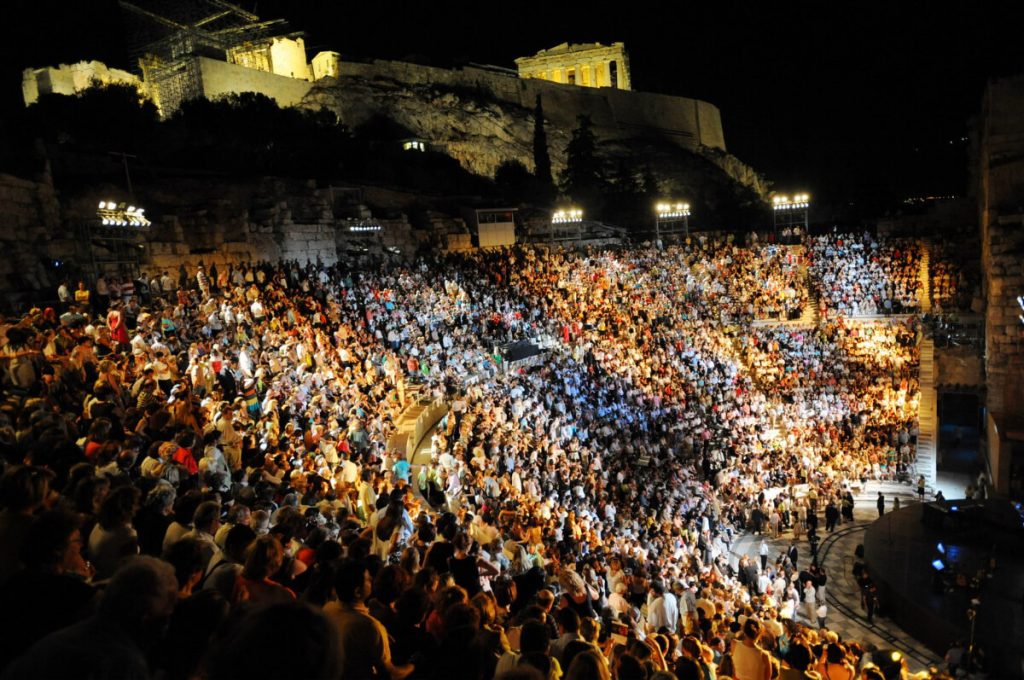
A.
x: 479, y: 132
x: 482, y: 129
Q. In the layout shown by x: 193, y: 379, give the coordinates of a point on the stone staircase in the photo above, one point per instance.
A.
x: 810, y: 316
x: 924, y: 295
x: 415, y: 405
x: 928, y: 421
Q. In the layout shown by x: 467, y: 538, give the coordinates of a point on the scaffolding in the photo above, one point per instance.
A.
x: 110, y: 249
x: 166, y: 37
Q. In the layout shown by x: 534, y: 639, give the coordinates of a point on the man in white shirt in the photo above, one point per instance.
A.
x: 810, y: 603
x: 167, y: 284
x: 64, y: 295
x: 230, y: 439
x: 662, y: 609
x: 349, y: 472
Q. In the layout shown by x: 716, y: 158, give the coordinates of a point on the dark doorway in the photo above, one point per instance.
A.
x: 960, y: 426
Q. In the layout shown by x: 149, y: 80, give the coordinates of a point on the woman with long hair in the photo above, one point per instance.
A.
x: 466, y: 567
x: 266, y: 555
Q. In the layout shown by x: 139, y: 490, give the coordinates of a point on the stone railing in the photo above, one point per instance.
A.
x: 424, y: 424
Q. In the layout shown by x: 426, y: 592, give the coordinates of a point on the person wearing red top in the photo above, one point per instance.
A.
x: 118, y: 331
x: 183, y: 455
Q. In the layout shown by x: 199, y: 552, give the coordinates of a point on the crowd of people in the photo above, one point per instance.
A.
x: 198, y: 480
x: 865, y: 275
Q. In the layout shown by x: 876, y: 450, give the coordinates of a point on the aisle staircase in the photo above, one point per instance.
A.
x: 406, y: 421
x: 924, y: 294
x: 808, y: 318
x: 927, y: 413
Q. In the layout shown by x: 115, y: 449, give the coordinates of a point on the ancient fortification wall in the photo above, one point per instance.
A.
x: 69, y: 79
x: 1000, y: 173
x: 30, y: 217
x: 1001, y: 205
x: 220, y: 78
x: 616, y: 113
x: 480, y: 116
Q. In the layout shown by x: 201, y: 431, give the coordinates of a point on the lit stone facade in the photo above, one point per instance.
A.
x: 587, y: 65
x: 999, y: 162
x: 326, y: 65
x: 70, y: 79
x: 280, y: 56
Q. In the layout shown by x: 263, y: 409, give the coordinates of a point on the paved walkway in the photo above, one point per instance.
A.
x: 845, y: 616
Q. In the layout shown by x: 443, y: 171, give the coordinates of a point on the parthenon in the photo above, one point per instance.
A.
x: 588, y: 65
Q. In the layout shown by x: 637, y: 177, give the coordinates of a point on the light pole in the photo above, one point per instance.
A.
x: 568, y: 216
x: 788, y: 212
x: 671, y: 213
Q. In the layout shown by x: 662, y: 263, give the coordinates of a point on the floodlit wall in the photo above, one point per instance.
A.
x: 288, y: 58
x: 326, y: 65
x: 70, y: 79
x: 280, y: 56
x: 220, y: 78
x: 616, y: 113
x: 1000, y: 175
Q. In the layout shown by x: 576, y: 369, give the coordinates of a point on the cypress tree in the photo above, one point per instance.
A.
x: 583, y: 179
x: 541, y: 157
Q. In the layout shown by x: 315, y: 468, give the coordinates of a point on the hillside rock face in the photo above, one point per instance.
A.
x: 480, y: 134
x: 485, y: 123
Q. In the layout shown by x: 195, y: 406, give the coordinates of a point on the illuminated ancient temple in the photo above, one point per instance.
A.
x: 588, y: 65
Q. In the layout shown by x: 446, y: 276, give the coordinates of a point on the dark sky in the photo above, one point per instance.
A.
x: 862, y: 102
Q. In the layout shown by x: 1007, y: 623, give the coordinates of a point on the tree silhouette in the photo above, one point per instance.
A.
x: 541, y: 157
x: 584, y: 179
x: 99, y: 118
x: 515, y: 183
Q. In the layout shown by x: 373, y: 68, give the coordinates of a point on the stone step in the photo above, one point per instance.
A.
x: 927, y: 414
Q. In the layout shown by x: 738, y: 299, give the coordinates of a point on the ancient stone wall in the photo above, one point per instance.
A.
x: 1003, y: 263
x: 999, y: 173
x: 484, y: 118
x: 194, y: 221
x: 30, y: 232
x: 616, y: 113
x: 70, y: 79
x: 220, y: 78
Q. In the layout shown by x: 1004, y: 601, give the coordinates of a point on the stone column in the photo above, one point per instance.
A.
x: 593, y: 74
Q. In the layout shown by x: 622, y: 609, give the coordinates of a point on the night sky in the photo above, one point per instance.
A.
x: 870, y: 104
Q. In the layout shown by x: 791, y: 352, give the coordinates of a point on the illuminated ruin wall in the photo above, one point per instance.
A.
x: 481, y: 117
x: 587, y: 65
x: 70, y: 79
x: 999, y: 160
x: 616, y: 113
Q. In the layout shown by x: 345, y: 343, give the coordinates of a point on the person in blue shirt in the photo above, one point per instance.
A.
x: 402, y: 469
